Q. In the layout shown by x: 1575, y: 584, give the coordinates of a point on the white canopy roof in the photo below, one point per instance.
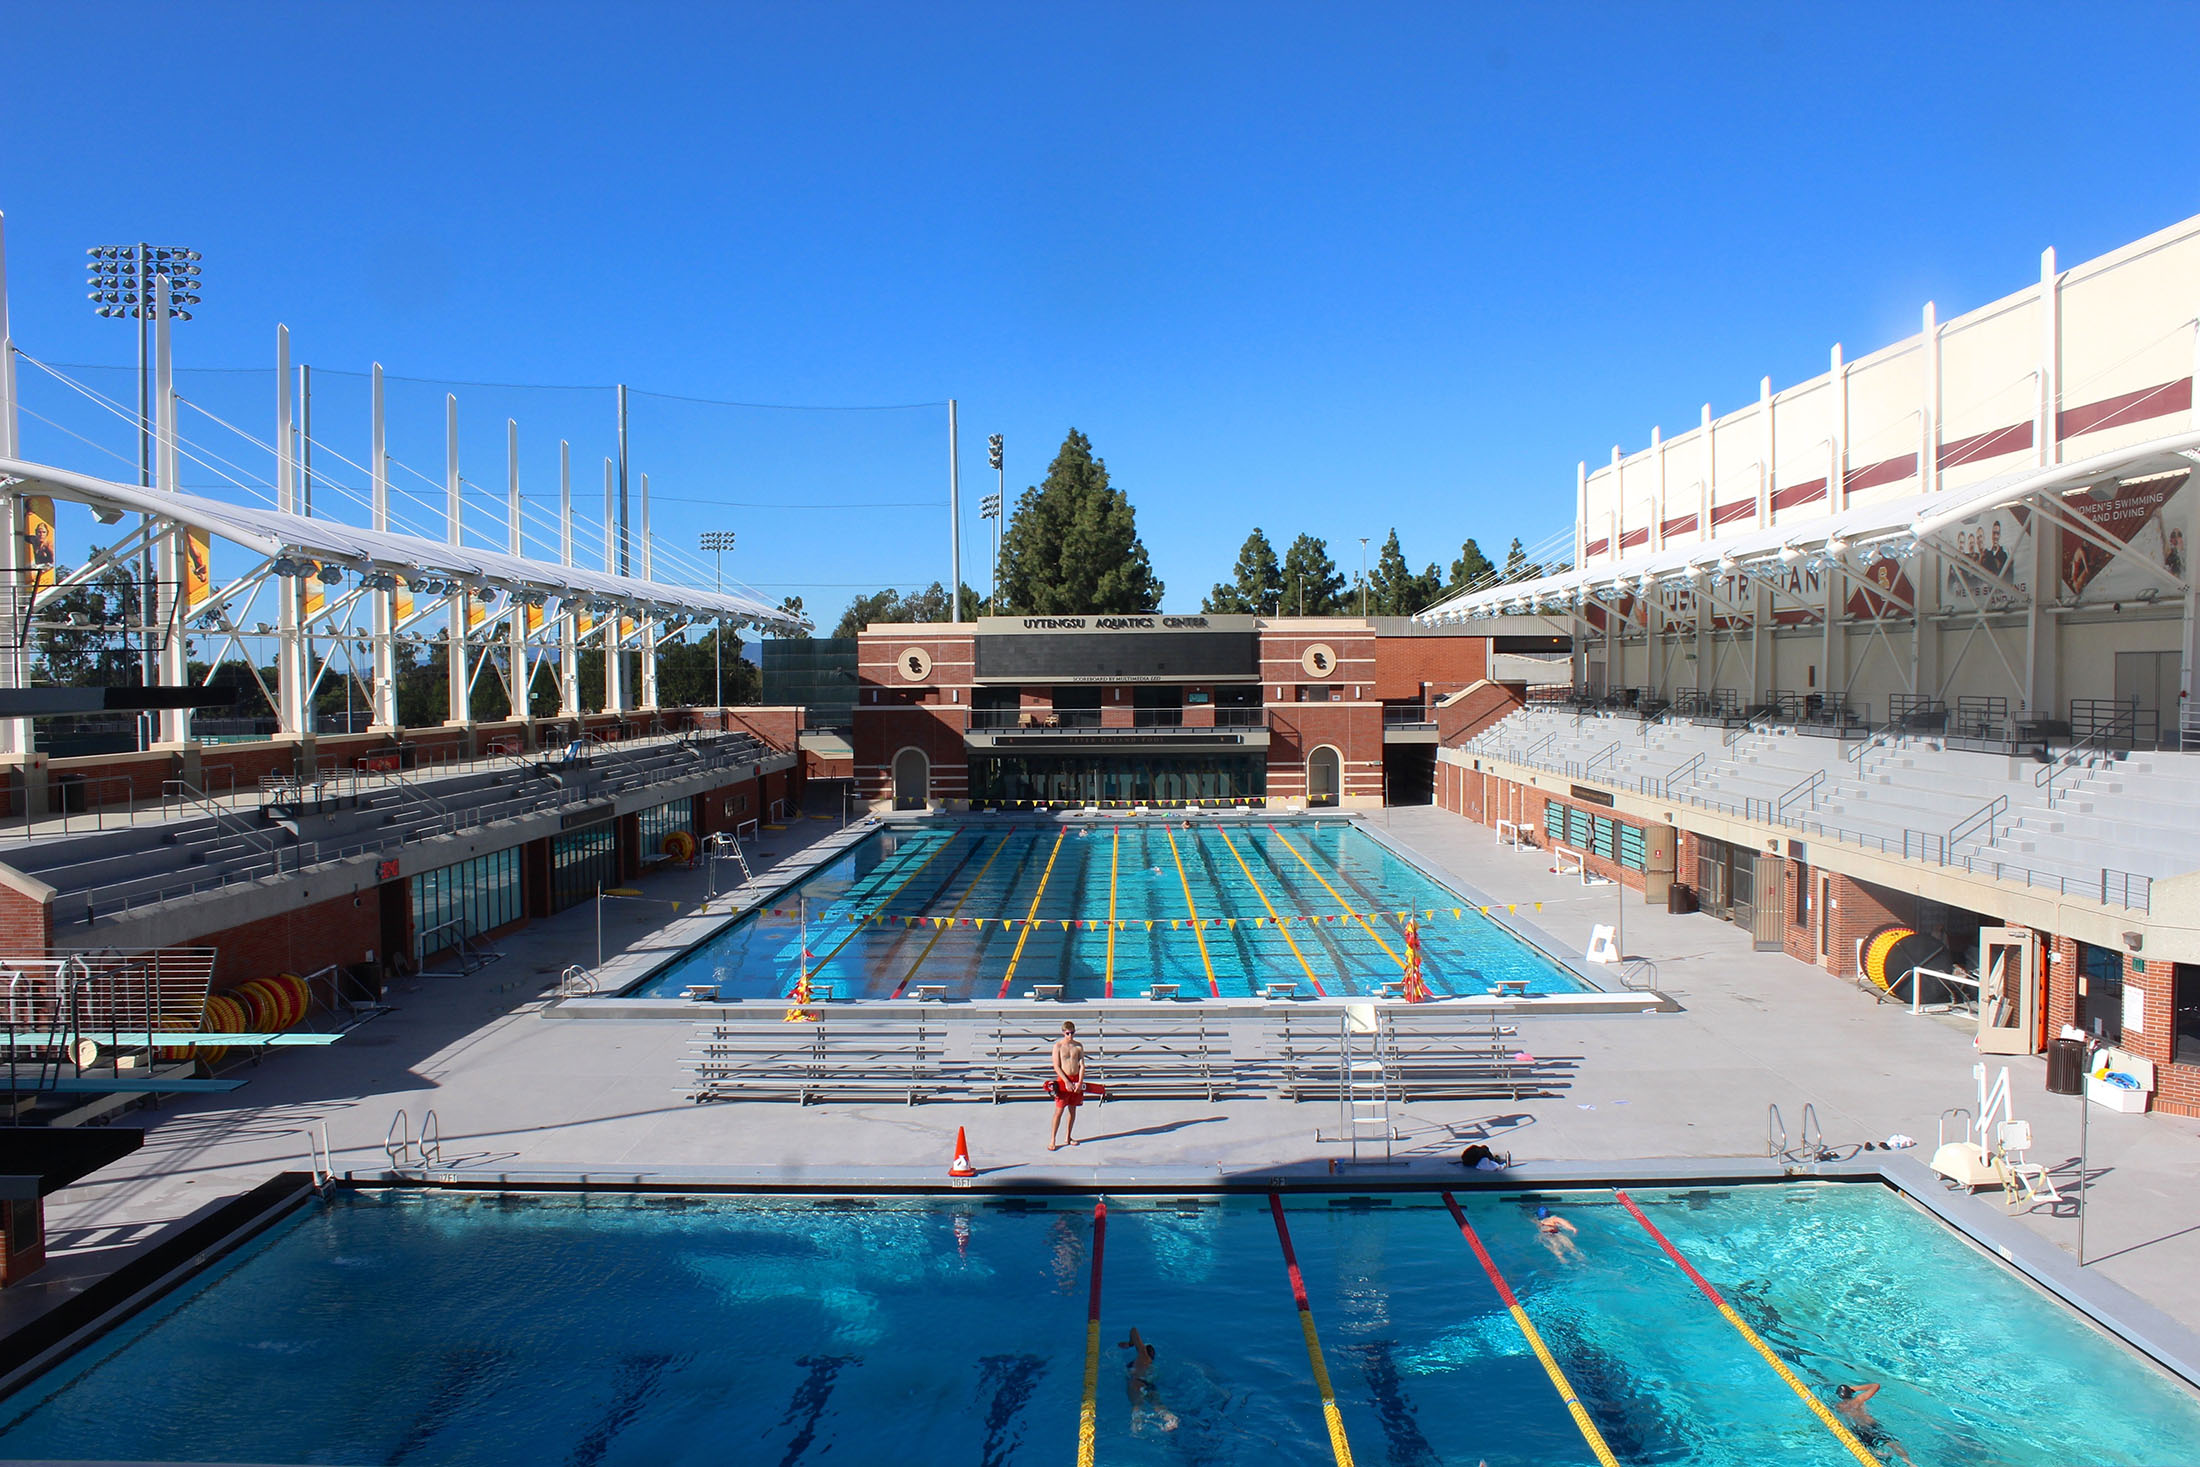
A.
x: 277, y: 533
x: 1904, y: 520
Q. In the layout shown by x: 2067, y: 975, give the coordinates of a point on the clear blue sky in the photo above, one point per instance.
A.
x: 1317, y: 268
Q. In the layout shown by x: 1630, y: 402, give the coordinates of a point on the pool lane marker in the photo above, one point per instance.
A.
x: 1271, y: 906
x: 1818, y: 1408
x: 1088, y: 1414
x: 865, y: 920
x: 1528, y: 1331
x: 1204, y: 961
x: 1115, y: 855
x: 1330, y: 1415
x: 938, y: 931
x: 1025, y: 936
x: 1355, y: 916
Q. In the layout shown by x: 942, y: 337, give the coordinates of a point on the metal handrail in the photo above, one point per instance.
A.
x: 397, y: 1142
x: 1807, y: 786
x: 1600, y: 756
x: 1984, y: 815
x: 1691, y: 769
x: 1815, y: 1150
x: 2069, y: 757
x: 1774, y: 1123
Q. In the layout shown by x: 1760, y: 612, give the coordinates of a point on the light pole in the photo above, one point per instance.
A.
x: 991, y: 508
x: 1363, y: 578
x: 123, y: 281
x: 718, y: 542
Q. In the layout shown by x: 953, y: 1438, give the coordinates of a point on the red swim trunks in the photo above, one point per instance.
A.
x: 1066, y: 1097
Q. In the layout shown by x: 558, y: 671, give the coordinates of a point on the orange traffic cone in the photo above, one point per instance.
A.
x: 960, y: 1166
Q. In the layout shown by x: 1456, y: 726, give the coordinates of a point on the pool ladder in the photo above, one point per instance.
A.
x: 402, y: 1151
x: 1810, y: 1147
x: 319, y: 1164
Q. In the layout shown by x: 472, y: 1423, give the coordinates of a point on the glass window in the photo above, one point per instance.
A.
x: 1632, y: 853
x: 657, y: 823
x: 466, y: 900
x: 2101, y: 1006
x: 580, y: 860
x: 2185, y: 999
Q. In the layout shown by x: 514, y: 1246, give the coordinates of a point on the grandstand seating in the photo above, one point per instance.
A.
x: 2092, y: 821
x: 344, y: 814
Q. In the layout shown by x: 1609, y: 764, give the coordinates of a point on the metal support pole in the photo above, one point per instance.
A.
x: 649, y: 620
x: 15, y: 733
x: 293, y: 675
x: 175, y: 666
x: 625, y: 560
x: 522, y: 680
x: 569, y: 631
x: 305, y: 439
x: 458, y: 658
x: 614, y: 693
x: 146, y: 674
x: 382, y: 602
x: 954, y: 515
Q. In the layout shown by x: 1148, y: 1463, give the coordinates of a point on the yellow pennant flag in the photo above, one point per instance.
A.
x: 1512, y: 906
x: 1174, y: 924
x: 1485, y: 911
x: 1539, y: 906
x: 1149, y: 924
x: 1456, y: 913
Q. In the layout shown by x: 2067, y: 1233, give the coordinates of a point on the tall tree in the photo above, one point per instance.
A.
x: 1393, y: 587
x: 1472, y: 568
x: 1311, y: 583
x: 890, y: 605
x: 1517, y: 565
x: 1072, y: 545
x: 1257, y: 582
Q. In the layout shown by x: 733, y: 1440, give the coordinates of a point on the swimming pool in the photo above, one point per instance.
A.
x: 990, y: 909
x: 610, y: 1329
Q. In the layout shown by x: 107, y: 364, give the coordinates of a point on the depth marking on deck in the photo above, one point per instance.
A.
x: 1340, y: 1447
x: 1818, y: 1408
x: 1204, y: 960
x: 1025, y: 936
x: 1355, y: 916
x: 1271, y: 906
x: 1088, y: 1413
x: 1007, y: 838
x: 1528, y: 1332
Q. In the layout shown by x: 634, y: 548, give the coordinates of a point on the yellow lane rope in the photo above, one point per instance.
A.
x: 1088, y: 1414
x: 1349, y: 912
x: 938, y: 931
x: 1528, y: 1332
x: 1030, y: 917
x: 1271, y: 906
x: 1331, y: 1417
x: 1204, y: 961
x: 1803, y: 1393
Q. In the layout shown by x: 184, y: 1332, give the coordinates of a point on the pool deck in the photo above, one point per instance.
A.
x: 519, y: 1089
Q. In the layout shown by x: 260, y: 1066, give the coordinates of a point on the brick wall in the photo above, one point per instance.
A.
x: 145, y: 773
x: 1857, y: 910
x: 1403, y: 664
x: 341, y: 930
x: 246, y: 764
x: 777, y: 727
x: 1354, y: 730
x: 712, y: 814
x: 1483, y: 706
x: 26, y: 925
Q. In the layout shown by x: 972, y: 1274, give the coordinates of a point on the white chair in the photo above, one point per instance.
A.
x: 2023, y: 1181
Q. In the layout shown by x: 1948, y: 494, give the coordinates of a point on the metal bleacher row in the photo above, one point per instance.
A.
x: 918, y: 1052
x: 2089, y: 820
x: 191, y: 843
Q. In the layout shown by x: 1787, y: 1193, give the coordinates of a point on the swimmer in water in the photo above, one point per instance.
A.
x: 1849, y: 1401
x: 1138, y: 1382
x: 1557, y: 1234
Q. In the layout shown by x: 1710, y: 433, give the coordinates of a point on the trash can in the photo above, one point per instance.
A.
x: 2065, y: 1066
x: 1679, y: 899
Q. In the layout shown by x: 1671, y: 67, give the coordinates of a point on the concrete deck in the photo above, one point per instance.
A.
x: 518, y: 1089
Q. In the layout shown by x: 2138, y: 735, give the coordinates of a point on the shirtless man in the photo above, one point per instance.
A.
x: 1849, y: 1401
x: 1068, y: 1084
x: 1557, y: 1234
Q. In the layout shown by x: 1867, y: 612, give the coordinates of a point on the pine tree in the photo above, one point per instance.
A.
x: 1258, y: 581
x: 1472, y: 568
x: 1072, y: 546
x: 1517, y: 566
x: 1311, y: 583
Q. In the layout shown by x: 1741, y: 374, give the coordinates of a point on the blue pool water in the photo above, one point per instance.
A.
x: 872, y: 916
x: 449, y: 1328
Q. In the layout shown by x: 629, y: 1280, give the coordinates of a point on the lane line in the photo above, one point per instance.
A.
x: 865, y: 920
x: 1115, y: 856
x: 1528, y: 1332
x: 1340, y: 1447
x: 1088, y: 1414
x: 1803, y: 1393
x: 1204, y: 960
x: 1025, y: 936
x: 1355, y: 916
x: 1008, y: 838
x: 1271, y: 906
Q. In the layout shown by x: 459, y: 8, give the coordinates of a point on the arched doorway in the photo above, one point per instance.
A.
x: 912, y: 780
x: 1324, y: 776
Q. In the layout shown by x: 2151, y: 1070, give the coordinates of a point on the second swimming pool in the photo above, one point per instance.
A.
x: 990, y: 910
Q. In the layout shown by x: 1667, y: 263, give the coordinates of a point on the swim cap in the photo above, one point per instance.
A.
x: 1542, y: 1212
x: 1844, y: 1392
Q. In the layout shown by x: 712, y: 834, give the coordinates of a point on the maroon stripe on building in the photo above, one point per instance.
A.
x: 1886, y: 471
x: 1796, y: 494
x: 1986, y: 445
x: 1685, y: 525
x: 1596, y: 547
x: 1629, y: 539
x: 2130, y: 407
x: 1727, y: 514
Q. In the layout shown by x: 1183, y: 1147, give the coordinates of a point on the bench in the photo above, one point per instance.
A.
x: 1157, y: 1056
x: 766, y: 1058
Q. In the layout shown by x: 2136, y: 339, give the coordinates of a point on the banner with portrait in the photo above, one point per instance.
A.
x: 2151, y: 519
x: 1988, y: 566
x: 198, y: 567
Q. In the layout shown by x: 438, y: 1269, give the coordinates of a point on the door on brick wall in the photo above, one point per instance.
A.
x: 2009, y: 998
x: 1324, y: 776
x: 2101, y: 992
x: 912, y: 780
x: 1767, y: 915
x: 2184, y: 1000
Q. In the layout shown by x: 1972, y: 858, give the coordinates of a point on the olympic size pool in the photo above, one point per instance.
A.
x: 988, y: 910
x: 605, y: 1329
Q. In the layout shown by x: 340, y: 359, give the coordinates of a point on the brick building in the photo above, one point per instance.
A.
x: 1014, y: 711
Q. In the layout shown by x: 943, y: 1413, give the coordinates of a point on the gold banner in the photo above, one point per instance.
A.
x: 198, y: 566
x: 38, y: 541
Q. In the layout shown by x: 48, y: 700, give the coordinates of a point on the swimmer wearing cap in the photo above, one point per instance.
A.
x: 1849, y: 1401
x: 1557, y: 1234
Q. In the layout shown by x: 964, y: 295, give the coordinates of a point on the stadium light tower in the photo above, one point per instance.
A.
x: 990, y: 508
x: 718, y: 542
x: 122, y: 281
